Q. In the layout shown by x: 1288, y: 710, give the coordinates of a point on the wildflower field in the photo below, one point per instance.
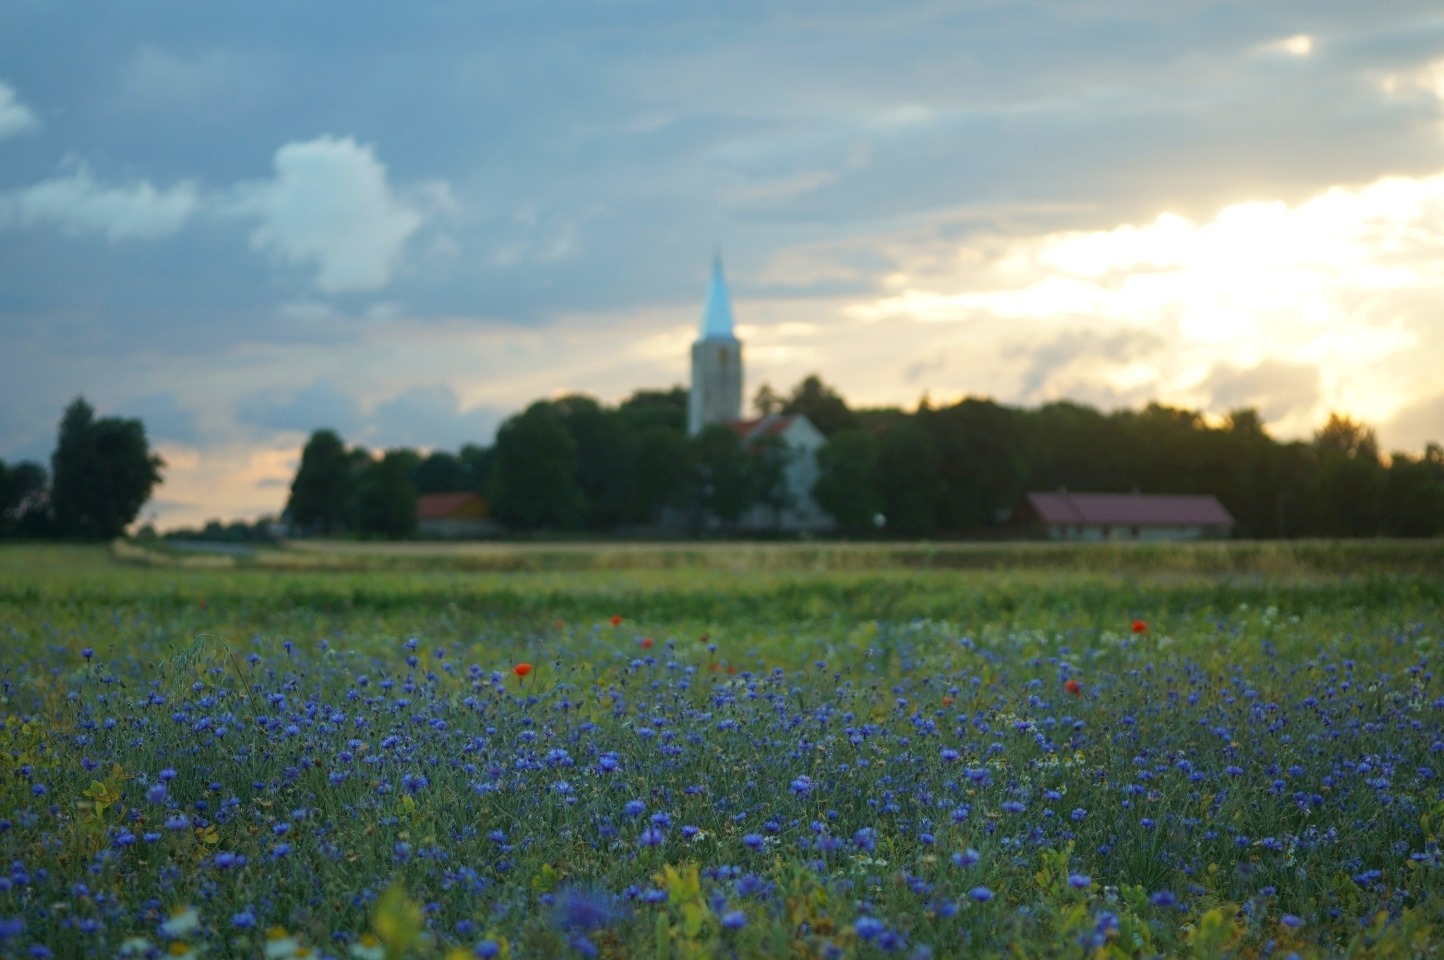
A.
x: 1213, y: 751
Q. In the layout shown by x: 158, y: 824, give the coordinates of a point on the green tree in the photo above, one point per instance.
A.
x: 656, y: 408
x: 322, y: 492
x: 909, y: 463
x: 534, y: 482
x: 103, y: 472
x: 665, y: 471
x: 477, y: 461
x: 723, y: 479
x: 386, y: 499
x: 442, y: 472
x: 1414, y: 494
x: 1343, y: 494
x: 821, y: 404
x: 847, y: 479
x: 607, y: 447
x: 24, y: 491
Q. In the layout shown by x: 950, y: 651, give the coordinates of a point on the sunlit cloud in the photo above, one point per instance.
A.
x: 1346, y: 282
x: 1298, y: 45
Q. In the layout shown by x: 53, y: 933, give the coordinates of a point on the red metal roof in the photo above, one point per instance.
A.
x: 1130, y: 509
x: 439, y: 506
x: 773, y: 425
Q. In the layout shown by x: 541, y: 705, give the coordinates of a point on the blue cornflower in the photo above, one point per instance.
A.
x: 281, y: 829
x: 608, y: 762
x: 965, y: 859
x: 1163, y: 898
x: 578, y: 910
x: 950, y: 755
x: 487, y: 949
x: 652, y: 837
x: 1078, y: 814
x: 1013, y: 806
x: 167, y: 775
x: 734, y: 920
x: 753, y: 840
x: 1079, y: 881
x: 1291, y: 921
x: 244, y: 920
x: 981, y: 894
x: 156, y: 793
x: 88, y: 652
x: 280, y: 850
x: 868, y: 928
x: 802, y: 785
x: 865, y: 840
x: 634, y: 808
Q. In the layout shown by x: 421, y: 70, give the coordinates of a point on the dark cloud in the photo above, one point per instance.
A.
x: 430, y: 416
x: 318, y: 406
x: 1055, y: 363
x: 165, y: 418
x: 1274, y: 388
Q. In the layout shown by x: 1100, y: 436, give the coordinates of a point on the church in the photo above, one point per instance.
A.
x: 716, y: 398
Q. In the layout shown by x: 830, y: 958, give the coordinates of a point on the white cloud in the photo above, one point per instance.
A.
x: 1298, y: 45
x: 330, y: 207
x: 1346, y: 282
x: 15, y: 117
x: 79, y: 205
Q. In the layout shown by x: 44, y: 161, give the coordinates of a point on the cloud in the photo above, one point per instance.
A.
x: 1083, y: 362
x: 1416, y: 425
x: 330, y: 208
x: 79, y: 205
x: 15, y: 117
x: 1275, y: 389
x: 430, y: 416
x: 165, y: 419
x: 1345, y: 282
x: 318, y: 406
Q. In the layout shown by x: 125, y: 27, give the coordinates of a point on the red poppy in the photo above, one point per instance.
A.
x: 1139, y: 626
x: 1073, y: 687
x: 521, y: 669
x: 617, y: 620
x: 646, y: 643
x: 947, y: 700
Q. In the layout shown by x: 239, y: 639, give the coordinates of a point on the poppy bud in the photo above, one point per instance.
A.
x: 521, y: 669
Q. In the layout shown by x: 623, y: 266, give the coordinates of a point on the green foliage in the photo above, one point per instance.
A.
x: 847, y: 483
x: 820, y: 404
x: 386, y: 500
x: 724, y: 478
x: 102, y: 473
x: 324, y: 486
x: 535, y: 477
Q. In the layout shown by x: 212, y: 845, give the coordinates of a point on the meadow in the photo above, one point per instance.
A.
x: 723, y: 751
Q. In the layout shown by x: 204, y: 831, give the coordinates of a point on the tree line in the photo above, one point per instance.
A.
x: 575, y: 465
x: 101, y: 473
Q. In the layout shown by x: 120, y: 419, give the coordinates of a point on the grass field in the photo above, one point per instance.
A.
x: 681, y: 751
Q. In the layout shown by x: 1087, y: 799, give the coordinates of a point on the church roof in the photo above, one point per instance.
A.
x: 717, y: 320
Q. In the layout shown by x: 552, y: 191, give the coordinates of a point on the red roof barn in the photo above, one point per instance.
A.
x: 1123, y: 516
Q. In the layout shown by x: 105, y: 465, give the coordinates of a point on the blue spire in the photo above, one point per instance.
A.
x: 717, y: 321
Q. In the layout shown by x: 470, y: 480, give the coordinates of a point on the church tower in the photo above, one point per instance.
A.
x: 716, y: 362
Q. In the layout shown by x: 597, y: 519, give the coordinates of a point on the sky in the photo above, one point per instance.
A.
x: 405, y: 222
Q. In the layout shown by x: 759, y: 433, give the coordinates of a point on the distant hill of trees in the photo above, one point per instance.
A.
x: 576, y: 465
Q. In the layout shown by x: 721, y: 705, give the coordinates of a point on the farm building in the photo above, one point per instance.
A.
x: 801, y: 440
x: 1123, y: 516
x: 453, y: 516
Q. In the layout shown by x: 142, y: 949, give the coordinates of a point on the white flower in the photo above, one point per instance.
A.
x: 183, y: 921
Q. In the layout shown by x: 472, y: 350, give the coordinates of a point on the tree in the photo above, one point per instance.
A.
x: 908, y: 461
x: 324, y: 486
x: 846, y: 484
x: 821, y: 404
x: 386, y: 500
x: 656, y: 408
x: 767, y: 401
x: 534, y: 483
x: 607, y: 448
x: 24, y: 490
x: 1414, y: 494
x: 103, y: 472
x: 723, y: 480
x: 665, y: 471
x: 442, y: 472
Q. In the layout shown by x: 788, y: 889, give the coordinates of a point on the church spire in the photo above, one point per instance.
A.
x: 717, y: 320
